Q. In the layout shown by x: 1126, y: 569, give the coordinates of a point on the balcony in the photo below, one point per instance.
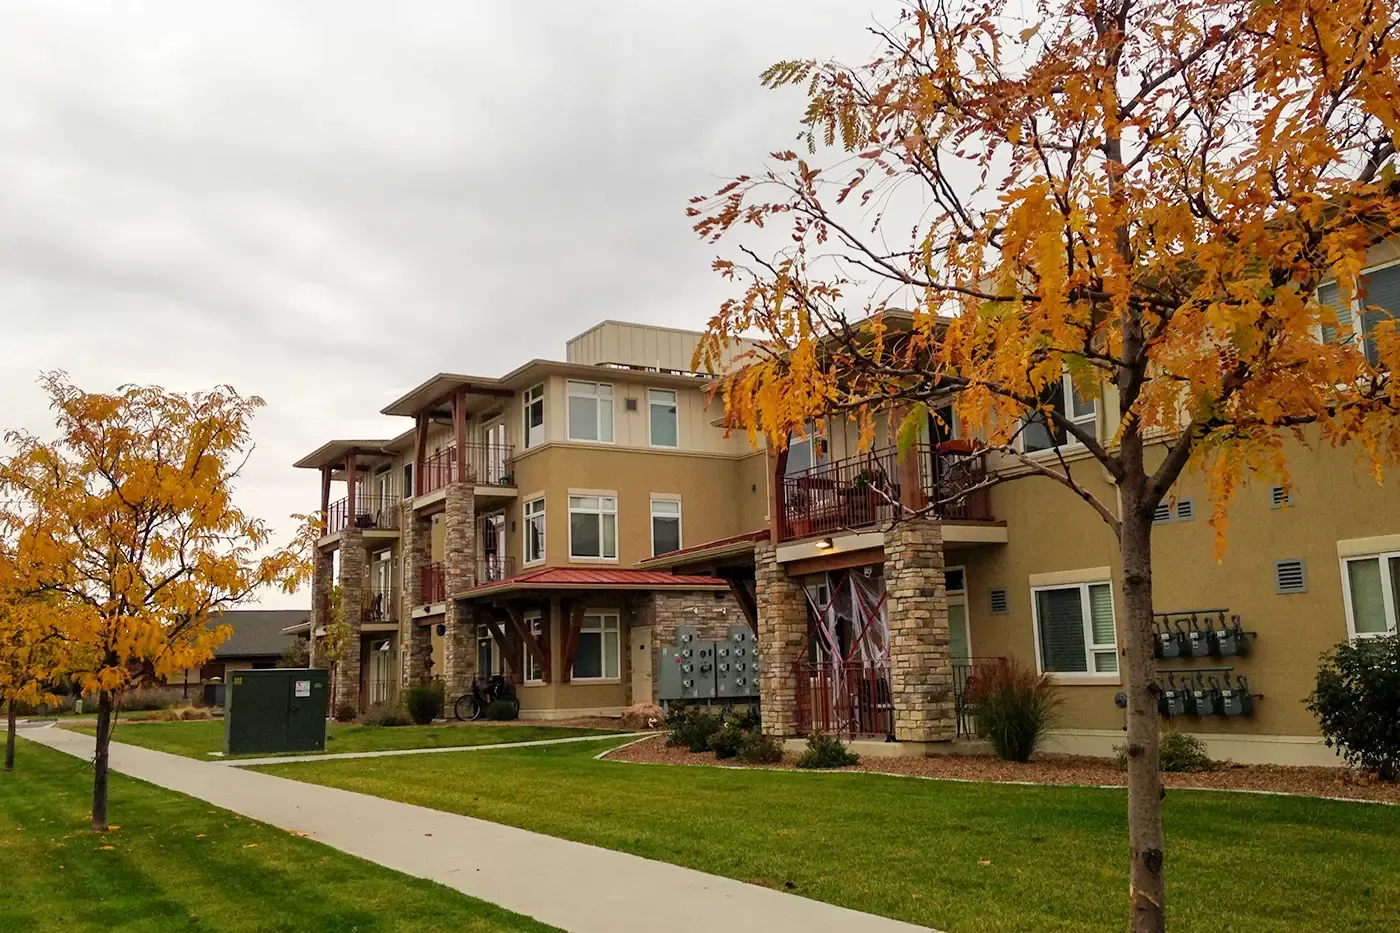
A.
x: 867, y: 490
x: 487, y: 465
x: 371, y: 513
x: 379, y: 605
x: 432, y: 584
x: 491, y: 568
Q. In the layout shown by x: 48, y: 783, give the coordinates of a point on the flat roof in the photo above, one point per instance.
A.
x: 334, y: 453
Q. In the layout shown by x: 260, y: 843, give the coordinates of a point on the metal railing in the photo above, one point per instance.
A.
x: 867, y: 489
x: 487, y: 465
x: 433, y: 584
x: 378, y: 512
x: 849, y: 699
x: 491, y: 568
x: 965, y: 674
x: 379, y: 605
x: 380, y: 691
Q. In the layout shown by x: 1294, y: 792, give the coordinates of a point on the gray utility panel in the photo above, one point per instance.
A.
x: 696, y: 669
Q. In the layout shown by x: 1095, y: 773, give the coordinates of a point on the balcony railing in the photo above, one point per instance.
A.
x: 867, y: 489
x: 378, y: 512
x: 487, y: 465
x: 433, y: 584
x: 379, y: 605
x: 491, y: 568
x: 854, y: 698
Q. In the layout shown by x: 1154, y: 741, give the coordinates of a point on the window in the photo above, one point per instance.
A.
x: 407, y: 480
x: 534, y: 530
x: 1040, y: 433
x: 488, y: 654
x: 1379, y: 300
x: 806, y: 452
x: 1372, y: 593
x: 1075, y: 630
x: 590, y: 411
x: 593, y: 526
x: 598, y: 656
x: 665, y: 425
x: 534, y: 674
x: 665, y: 526
x: 533, y: 435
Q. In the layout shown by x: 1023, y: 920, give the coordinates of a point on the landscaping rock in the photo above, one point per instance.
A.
x: 643, y: 716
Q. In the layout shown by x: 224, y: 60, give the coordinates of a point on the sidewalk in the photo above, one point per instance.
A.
x: 576, y: 887
x: 434, y: 750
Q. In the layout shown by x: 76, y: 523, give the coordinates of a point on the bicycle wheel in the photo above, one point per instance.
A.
x: 513, y: 703
x: 466, y: 708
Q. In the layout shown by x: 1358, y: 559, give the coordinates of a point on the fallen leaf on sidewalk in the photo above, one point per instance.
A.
x: 984, y: 861
x: 251, y: 845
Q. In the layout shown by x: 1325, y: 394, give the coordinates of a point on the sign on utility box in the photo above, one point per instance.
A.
x: 278, y: 710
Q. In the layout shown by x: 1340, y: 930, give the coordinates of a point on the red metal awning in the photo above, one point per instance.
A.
x: 599, y: 578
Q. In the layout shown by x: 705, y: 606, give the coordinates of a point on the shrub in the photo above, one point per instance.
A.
x: 386, y: 714
x: 760, y: 749
x: 1177, y: 751
x: 346, y: 712
x: 747, y: 719
x: 692, y: 727
x: 297, y: 654
x: 424, y: 702
x: 1357, y: 703
x: 501, y: 710
x: 140, y: 702
x: 1014, y: 707
x: 727, y: 740
x: 826, y: 751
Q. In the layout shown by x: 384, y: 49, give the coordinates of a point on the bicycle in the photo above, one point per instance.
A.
x: 471, y: 706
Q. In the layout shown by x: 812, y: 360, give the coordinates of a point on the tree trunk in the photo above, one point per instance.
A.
x: 10, y: 736
x: 1148, y: 883
x: 99, y: 761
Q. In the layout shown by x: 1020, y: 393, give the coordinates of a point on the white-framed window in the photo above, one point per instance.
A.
x: 533, y: 537
x: 590, y: 411
x: 665, y: 526
x: 593, y: 527
x: 532, y: 434
x: 534, y: 674
x: 1074, y: 630
x: 1371, y: 585
x: 599, y: 652
x: 1042, y: 433
x: 808, y: 451
x: 663, y: 419
x: 1377, y: 299
x: 489, y: 660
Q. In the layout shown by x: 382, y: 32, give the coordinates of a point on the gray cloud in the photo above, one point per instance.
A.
x: 324, y: 203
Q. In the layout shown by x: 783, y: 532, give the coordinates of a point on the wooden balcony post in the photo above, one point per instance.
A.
x: 420, y: 449
x: 459, y: 432
x: 350, y: 487
x: 777, y: 469
x: 325, y: 498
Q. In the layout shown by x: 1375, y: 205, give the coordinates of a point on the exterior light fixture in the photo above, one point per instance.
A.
x: 824, y: 544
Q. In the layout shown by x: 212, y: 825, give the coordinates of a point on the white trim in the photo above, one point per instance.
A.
x: 960, y: 597
x: 1389, y: 597
x: 1361, y: 547
x: 1071, y: 442
x: 1091, y: 648
x: 601, y: 512
x: 597, y: 398
x: 525, y: 517
x: 527, y: 398
x: 601, y: 629
x: 675, y: 411
x: 1065, y: 577
x: 679, y: 517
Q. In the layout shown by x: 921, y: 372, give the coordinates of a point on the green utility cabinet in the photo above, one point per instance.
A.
x: 278, y: 710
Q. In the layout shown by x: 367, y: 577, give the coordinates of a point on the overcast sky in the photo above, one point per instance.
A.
x: 325, y: 203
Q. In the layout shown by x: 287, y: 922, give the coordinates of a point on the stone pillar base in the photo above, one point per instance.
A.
x: 782, y: 628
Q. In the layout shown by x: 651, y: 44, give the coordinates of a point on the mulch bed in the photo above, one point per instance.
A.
x: 1062, y: 769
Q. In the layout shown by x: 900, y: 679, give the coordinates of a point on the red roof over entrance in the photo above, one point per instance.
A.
x: 610, y: 578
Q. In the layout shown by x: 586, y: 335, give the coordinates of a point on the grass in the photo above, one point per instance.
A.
x: 176, y: 863
x: 966, y: 858
x: 198, y: 739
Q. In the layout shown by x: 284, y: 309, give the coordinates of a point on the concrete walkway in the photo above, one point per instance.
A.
x: 576, y: 887
x: 434, y: 750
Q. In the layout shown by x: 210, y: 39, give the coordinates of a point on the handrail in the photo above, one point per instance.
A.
x: 486, y: 465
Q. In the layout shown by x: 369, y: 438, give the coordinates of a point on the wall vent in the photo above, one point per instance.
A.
x: 629, y: 404
x: 1291, y: 576
x: 1163, y: 513
x: 1001, y: 603
x: 1185, y: 510
x: 1279, y: 497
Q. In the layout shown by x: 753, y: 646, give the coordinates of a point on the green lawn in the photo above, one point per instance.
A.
x: 175, y: 863
x: 198, y: 739
x: 966, y: 858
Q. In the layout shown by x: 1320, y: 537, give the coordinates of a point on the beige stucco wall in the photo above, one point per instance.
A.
x: 1050, y: 530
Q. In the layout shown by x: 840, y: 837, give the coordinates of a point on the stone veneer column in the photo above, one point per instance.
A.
x: 782, y: 628
x: 321, y: 584
x: 415, y: 641
x: 352, y: 582
x: 921, y: 661
x: 459, y: 574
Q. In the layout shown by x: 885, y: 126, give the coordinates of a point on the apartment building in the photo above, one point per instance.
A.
x: 868, y: 627
x: 502, y: 530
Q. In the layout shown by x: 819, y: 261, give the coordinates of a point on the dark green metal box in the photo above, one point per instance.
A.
x: 278, y: 710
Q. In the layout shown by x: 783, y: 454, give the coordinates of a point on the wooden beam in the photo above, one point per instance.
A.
x: 573, y: 621
x: 420, y: 451
x: 350, y: 487
x: 777, y: 468
x: 517, y: 673
x: 325, y: 498
x: 748, y: 605
x: 459, y: 433
x: 842, y: 560
x: 532, y: 644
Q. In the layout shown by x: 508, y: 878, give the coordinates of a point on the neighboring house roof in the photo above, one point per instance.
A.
x: 732, y: 546
x: 257, y: 633
x: 577, y: 578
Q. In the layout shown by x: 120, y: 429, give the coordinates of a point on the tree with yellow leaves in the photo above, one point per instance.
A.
x: 128, y: 533
x: 32, y: 651
x: 1134, y: 200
